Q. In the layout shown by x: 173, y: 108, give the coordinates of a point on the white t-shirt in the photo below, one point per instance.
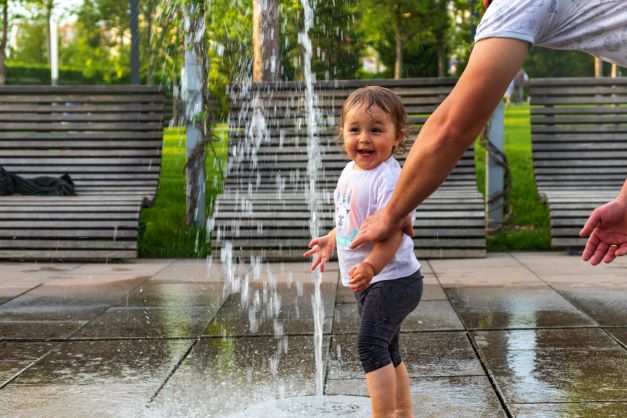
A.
x: 359, y: 194
x: 598, y: 27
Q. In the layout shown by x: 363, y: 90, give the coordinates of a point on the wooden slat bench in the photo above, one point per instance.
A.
x: 263, y: 210
x: 108, y: 139
x: 579, y: 135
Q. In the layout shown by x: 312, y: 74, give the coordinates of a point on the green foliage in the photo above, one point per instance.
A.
x: 528, y: 226
x: 544, y: 62
x: 336, y: 38
x: 422, y: 27
x: 24, y: 73
x: 163, y: 232
x: 32, y: 44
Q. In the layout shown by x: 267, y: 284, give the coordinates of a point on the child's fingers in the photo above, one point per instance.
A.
x: 311, y: 252
x: 313, y: 242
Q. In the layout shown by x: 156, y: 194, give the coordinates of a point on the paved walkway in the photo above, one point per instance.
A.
x: 516, y: 334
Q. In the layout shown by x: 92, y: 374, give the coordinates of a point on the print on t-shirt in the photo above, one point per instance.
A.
x: 347, y: 215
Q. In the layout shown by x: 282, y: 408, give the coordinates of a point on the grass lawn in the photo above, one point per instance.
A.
x: 163, y: 233
x: 528, y: 226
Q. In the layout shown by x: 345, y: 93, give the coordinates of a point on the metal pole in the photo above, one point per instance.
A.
x: 54, y: 53
x: 495, y: 173
x: 134, y: 41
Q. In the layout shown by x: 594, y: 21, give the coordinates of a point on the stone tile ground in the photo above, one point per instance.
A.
x: 515, y: 334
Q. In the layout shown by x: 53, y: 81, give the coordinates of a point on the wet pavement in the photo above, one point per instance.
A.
x: 515, y: 334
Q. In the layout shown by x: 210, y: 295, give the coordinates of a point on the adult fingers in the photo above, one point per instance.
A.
x: 361, y: 238
x: 591, y: 246
x: 408, y: 228
x: 622, y: 250
x: 591, y: 223
x: 610, y: 255
x: 599, y: 253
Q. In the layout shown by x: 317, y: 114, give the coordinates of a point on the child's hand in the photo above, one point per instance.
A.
x: 361, y: 275
x: 323, y: 247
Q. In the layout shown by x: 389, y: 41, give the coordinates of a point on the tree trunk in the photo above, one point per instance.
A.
x: 266, y: 42
x: 148, y: 18
x: 3, y: 42
x: 441, y: 56
x: 398, y: 63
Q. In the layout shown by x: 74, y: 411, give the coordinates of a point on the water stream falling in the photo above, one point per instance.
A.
x: 314, y: 166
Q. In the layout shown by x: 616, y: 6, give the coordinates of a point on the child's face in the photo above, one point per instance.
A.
x: 369, y: 136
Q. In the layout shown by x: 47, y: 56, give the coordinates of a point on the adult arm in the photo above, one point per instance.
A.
x: 450, y: 130
x: 607, y: 230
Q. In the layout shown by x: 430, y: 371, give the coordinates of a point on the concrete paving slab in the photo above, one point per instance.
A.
x: 424, y: 354
x: 139, y: 267
x: 619, y: 333
x: 64, y: 400
x: 499, y: 308
x: 436, y: 397
x: 562, y: 365
x: 11, y: 368
x: 606, y: 306
x: 503, y: 276
x: 16, y: 273
x: 71, y: 297
x: 201, y: 270
x: 39, y: 330
x: 570, y: 409
x: 430, y: 315
x: 290, y: 311
x: 163, y: 294
x: 557, y: 263
x: 150, y: 322
x: 106, y: 362
x: 227, y: 375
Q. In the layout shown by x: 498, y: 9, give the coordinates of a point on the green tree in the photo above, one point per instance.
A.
x: 410, y: 35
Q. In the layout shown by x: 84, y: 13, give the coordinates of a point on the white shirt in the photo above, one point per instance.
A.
x: 598, y: 27
x: 359, y: 194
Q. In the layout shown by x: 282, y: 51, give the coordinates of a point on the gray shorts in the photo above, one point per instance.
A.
x: 382, y: 307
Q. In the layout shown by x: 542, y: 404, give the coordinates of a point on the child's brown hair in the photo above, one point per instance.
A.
x: 387, y: 101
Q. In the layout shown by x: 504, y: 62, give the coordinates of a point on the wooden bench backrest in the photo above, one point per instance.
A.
x: 282, y: 157
x: 579, y: 132
x: 107, y: 138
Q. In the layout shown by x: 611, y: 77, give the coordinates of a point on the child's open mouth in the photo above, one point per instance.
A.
x: 365, y: 153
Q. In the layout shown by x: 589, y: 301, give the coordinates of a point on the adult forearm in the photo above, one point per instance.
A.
x: 456, y: 123
x: 431, y: 159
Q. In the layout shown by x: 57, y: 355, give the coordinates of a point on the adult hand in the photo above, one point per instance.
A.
x: 380, y: 226
x: 607, y: 231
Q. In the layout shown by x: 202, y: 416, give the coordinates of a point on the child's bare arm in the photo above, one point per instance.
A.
x: 381, y: 254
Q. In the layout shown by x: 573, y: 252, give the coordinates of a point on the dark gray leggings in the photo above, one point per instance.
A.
x: 382, y: 307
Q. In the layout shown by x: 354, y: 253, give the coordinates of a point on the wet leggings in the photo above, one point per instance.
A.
x: 382, y: 307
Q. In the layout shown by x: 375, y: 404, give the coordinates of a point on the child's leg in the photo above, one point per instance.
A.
x: 403, y: 396
x: 382, y: 388
x: 383, y: 306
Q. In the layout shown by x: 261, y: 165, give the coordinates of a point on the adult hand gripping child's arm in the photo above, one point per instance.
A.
x: 322, y: 246
x: 382, y: 253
